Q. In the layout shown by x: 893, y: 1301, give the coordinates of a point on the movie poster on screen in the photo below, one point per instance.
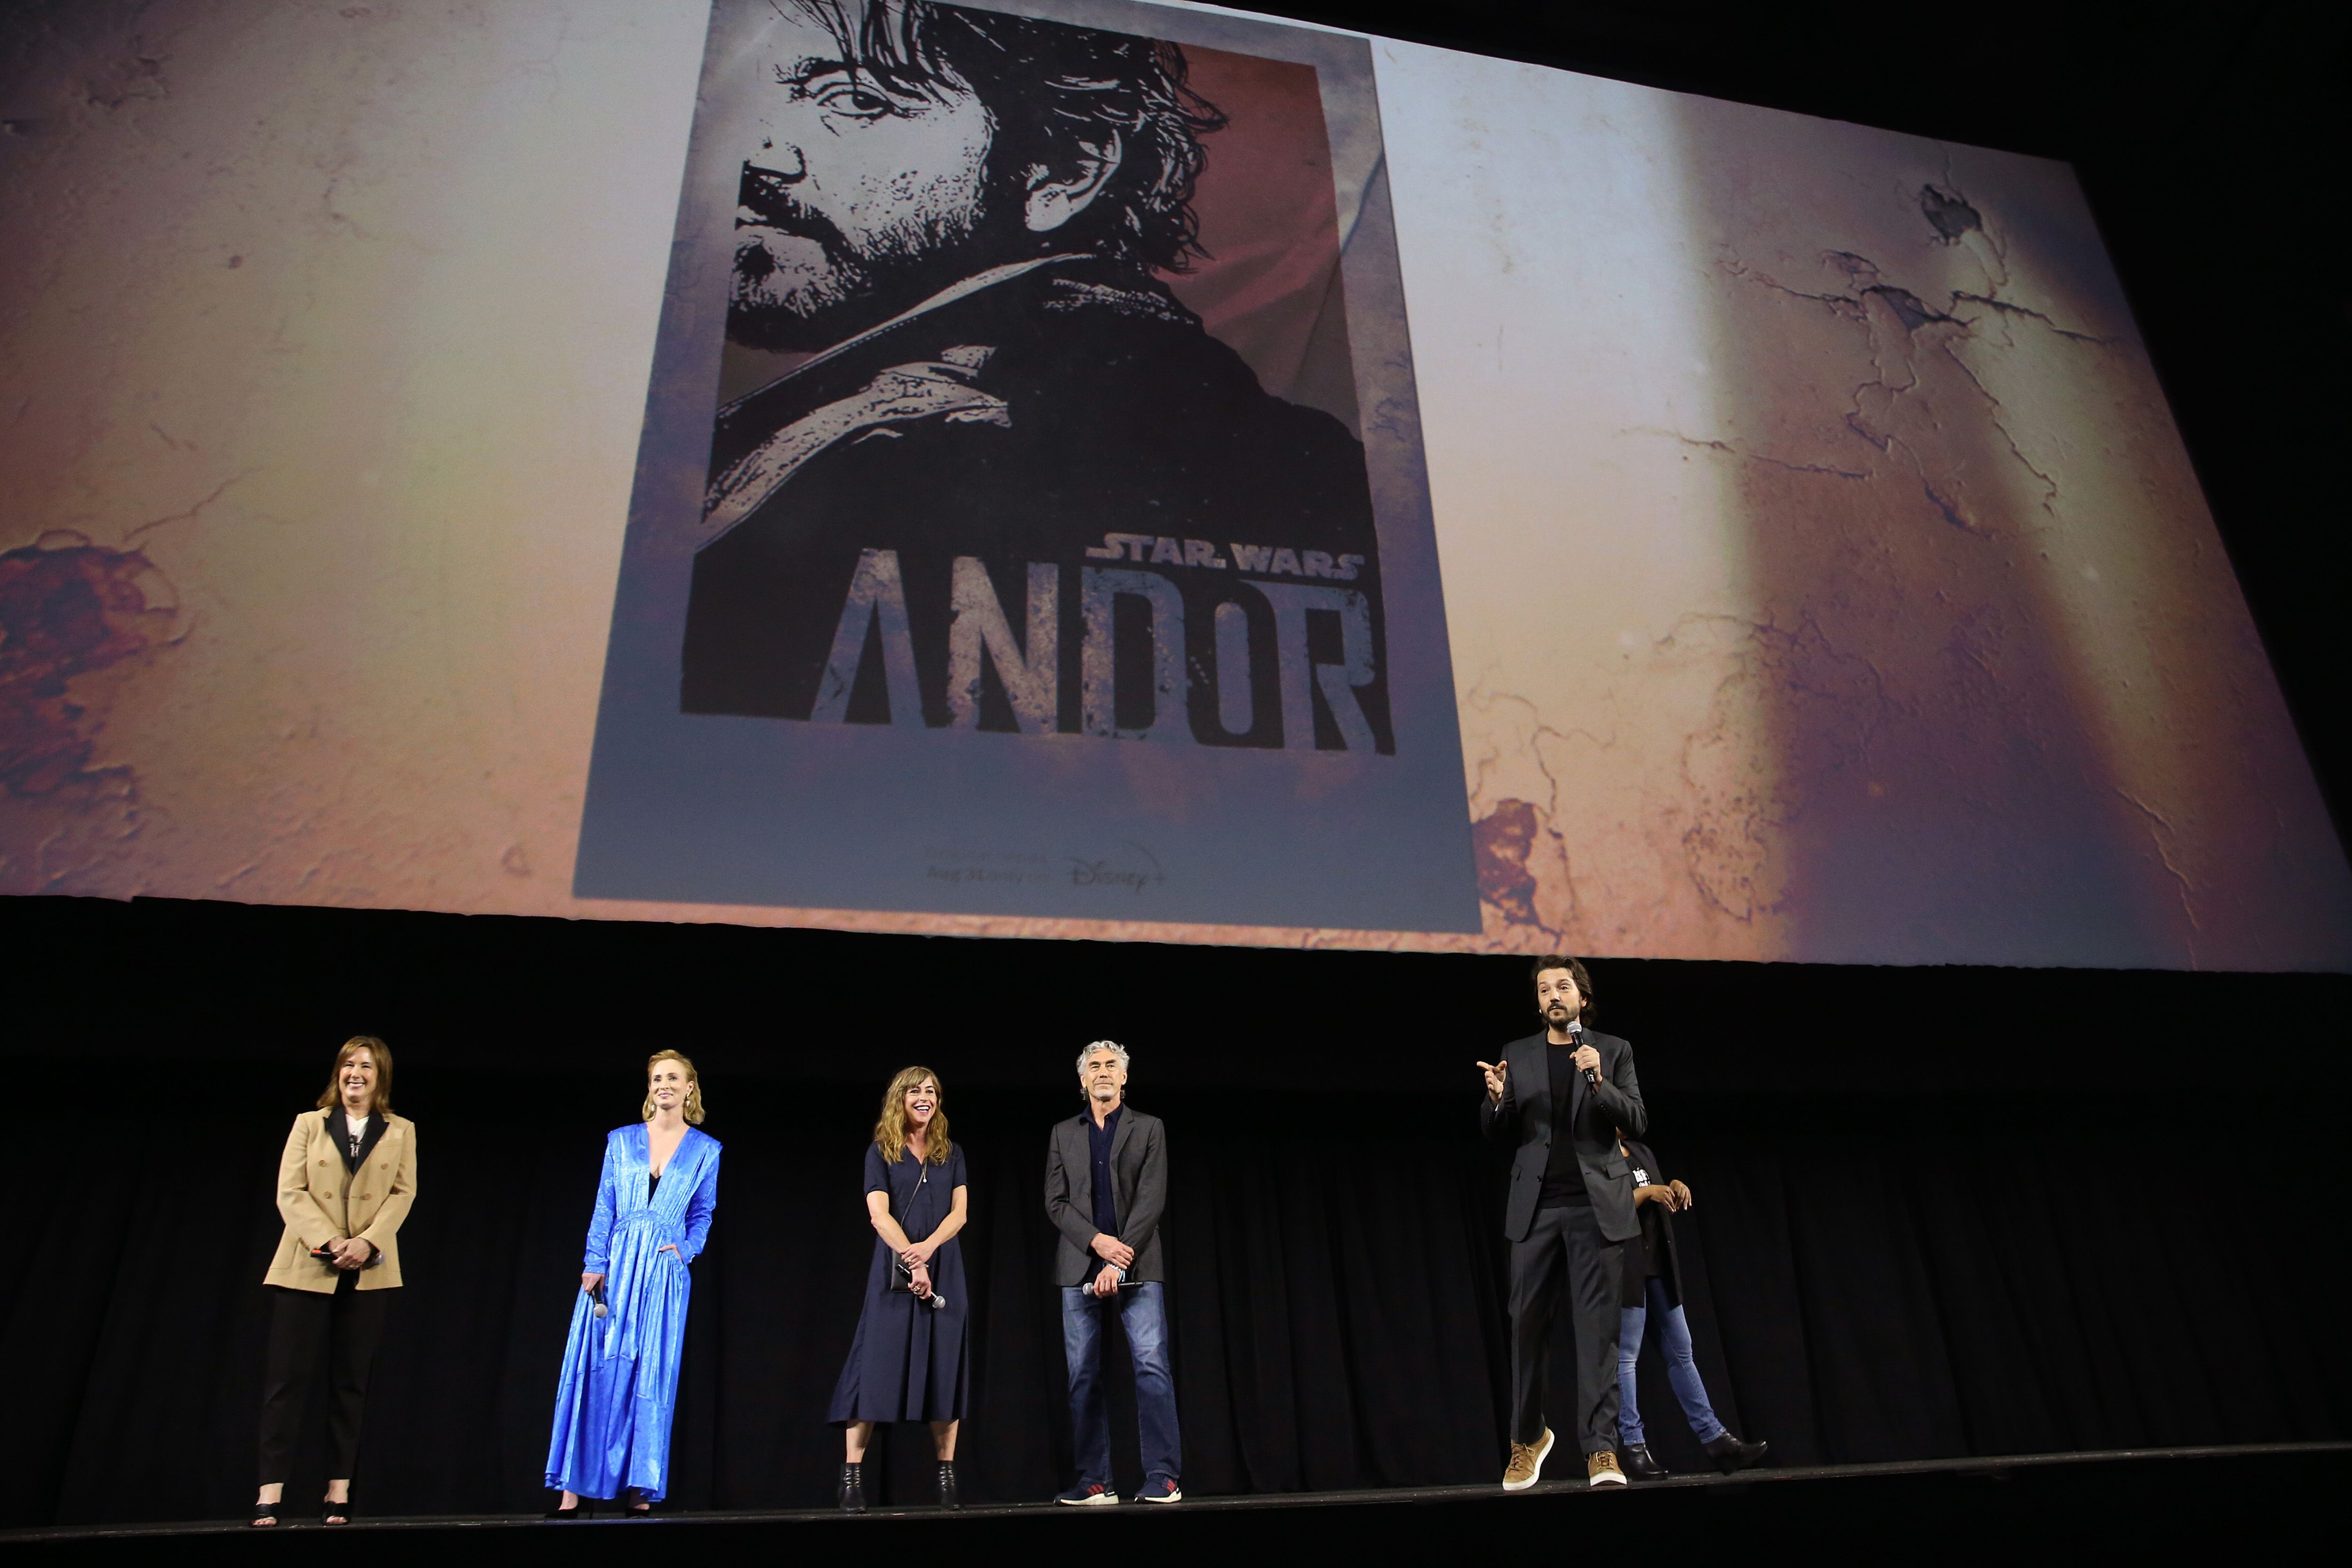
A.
x: 1030, y: 514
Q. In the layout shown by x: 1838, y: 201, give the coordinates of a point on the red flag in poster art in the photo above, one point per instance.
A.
x: 1042, y: 420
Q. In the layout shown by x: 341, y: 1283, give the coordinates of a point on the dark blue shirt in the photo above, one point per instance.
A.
x: 1098, y: 1141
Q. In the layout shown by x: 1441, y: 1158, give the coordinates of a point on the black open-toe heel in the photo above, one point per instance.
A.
x: 335, y: 1513
x: 580, y: 1509
x: 265, y: 1514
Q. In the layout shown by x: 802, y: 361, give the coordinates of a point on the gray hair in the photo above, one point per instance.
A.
x: 1113, y: 1046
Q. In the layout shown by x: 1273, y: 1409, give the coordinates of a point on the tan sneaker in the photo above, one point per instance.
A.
x: 1600, y: 1470
x: 1527, y: 1463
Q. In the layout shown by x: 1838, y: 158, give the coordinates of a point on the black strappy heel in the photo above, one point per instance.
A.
x: 335, y: 1514
x: 266, y: 1511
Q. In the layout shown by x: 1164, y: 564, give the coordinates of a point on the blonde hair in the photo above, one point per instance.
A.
x: 890, y: 1128
x: 693, y: 1086
x: 381, y: 1101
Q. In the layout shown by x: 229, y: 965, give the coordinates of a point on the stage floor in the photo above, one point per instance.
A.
x: 2270, y: 1496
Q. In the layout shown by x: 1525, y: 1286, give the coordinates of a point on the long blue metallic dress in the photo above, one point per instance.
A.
x: 619, y: 1390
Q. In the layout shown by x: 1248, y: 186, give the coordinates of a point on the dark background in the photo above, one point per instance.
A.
x: 1940, y: 1211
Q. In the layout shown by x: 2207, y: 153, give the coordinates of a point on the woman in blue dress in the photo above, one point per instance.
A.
x: 909, y: 1360
x: 619, y: 1390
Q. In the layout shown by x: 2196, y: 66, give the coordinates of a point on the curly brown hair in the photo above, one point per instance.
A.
x: 890, y: 1127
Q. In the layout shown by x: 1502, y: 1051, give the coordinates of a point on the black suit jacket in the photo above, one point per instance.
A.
x: 1139, y: 1173
x: 1664, y: 1262
x: 1594, y: 1116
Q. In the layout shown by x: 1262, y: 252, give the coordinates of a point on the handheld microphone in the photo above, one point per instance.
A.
x: 1575, y: 1038
x: 599, y: 1298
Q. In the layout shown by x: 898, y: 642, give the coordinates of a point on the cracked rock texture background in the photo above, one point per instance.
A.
x: 1825, y: 577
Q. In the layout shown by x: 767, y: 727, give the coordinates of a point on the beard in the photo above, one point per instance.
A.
x: 801, y: 283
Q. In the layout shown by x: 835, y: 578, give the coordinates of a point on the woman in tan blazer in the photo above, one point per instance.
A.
x: 344, y: 1184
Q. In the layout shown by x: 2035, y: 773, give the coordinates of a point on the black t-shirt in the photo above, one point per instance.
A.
x: 1563, y: 1183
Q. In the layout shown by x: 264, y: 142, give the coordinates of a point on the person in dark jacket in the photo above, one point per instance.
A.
x: 1557, y: 1095
x: 1653, y: 1295
x: 1019, y: 487
x: 1106, y: 1190
x: 910, y: 1360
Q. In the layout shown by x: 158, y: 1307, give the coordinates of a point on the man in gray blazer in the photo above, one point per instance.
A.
x: 1562, y: 1096
x: 1106, y: 1188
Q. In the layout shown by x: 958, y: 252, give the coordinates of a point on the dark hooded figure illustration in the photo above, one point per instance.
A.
x: 1018, y: 487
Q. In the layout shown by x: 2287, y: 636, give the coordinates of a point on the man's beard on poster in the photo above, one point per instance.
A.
x: 858, y: 284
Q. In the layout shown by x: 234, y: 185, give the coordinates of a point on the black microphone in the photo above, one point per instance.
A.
x: 1575, y: 1038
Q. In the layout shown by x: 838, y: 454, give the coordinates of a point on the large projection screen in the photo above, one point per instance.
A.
x: 1540, y: 513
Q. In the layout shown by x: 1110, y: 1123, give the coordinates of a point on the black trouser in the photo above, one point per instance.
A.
x: 307, y: 1326
x: 1565, y: 1242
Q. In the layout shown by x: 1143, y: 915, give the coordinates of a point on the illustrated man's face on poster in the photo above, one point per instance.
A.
x: 1055, y: 469
x: 850, y: 185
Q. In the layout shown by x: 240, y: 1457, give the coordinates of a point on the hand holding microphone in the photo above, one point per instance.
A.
x: 1586, y: 1059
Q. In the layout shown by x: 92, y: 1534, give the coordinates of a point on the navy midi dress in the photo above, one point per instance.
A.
x: 909, y: 1360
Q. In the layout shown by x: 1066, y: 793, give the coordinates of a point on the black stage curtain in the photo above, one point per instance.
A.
x: 1966, y: 1268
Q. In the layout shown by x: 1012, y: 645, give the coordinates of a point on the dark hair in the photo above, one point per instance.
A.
x: 1054, y: 89
x: 1575, y: 968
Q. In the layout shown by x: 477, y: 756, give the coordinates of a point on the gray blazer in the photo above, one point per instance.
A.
x: 1139, y: 1173
x: 1593, y: 1119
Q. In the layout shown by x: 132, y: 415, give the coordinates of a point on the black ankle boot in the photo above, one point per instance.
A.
x: 851, y: 1493
x: 948, y: 1497
x: 1638, y: 1463
x: 1731, y: 1454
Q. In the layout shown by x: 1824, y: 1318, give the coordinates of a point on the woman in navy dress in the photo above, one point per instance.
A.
x: 908, y: 1361
x: 619, y: 1392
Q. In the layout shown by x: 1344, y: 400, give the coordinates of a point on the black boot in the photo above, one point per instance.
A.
x: 1731, y: 1454
x: 1638, y: 1463
x: 851, y: 1493
x: 948, y: 1497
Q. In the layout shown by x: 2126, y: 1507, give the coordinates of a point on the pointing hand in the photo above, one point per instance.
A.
x: 1497, y: 1079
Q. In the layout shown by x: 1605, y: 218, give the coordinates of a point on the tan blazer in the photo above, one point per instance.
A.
x: 324, y: 1200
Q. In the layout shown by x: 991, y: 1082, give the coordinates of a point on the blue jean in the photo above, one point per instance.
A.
x: 1674, y: 1338
x: 1143, y: 1313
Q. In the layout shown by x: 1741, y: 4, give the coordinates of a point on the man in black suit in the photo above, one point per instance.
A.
x: 1563, y: 1094
x: 1106, y: 1188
